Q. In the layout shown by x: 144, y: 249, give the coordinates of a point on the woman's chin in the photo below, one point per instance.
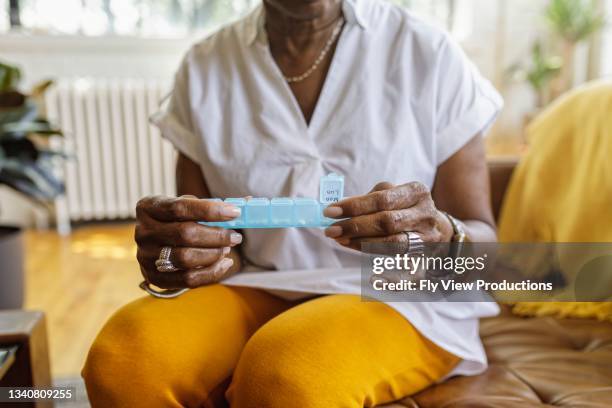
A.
x: 301, y: 9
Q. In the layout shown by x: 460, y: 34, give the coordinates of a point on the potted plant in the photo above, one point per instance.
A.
x: 26, y: 167
x: 540, y: 72
x: 572, y: 21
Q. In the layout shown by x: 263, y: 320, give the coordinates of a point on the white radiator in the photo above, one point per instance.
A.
x: 119, y: 156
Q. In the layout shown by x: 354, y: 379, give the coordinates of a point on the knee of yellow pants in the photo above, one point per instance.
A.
x: 270, y: 374
x: 335, y: 351
x: 281, y: 367
x: 111, y: 363
x: 140, y: 360
x: 175, y: 352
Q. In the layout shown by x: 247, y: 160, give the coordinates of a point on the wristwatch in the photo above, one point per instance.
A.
x: 459, y: 235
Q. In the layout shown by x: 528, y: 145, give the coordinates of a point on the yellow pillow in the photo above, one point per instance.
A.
x: 562, y: 190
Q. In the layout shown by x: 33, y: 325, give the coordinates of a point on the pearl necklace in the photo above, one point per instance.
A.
x: 321, y: 56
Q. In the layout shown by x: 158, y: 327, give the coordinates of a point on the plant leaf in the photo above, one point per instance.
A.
x: 40, y: 88
x: 19, y: 148
x: 24, y: 128
x: 574, y: 20
x: 49, y: 154
x: 9, y: 77
x: 29, y: 179
x: 28, y: 112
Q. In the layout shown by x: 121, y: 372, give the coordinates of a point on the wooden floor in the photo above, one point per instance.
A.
x: 79, y: 281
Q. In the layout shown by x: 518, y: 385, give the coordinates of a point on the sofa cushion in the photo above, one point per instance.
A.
x: 534, y: 362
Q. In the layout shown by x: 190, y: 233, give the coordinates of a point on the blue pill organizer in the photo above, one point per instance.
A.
x: 286, y: 212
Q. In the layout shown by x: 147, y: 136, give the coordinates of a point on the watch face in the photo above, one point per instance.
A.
x: 459, y: 235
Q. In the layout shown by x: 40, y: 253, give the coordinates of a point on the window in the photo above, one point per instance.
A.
x: 144, y: 18
x: 4, y: 16
x: 159, y: 18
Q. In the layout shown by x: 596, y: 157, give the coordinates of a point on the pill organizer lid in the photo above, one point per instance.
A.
x: 237, y: 201
x: 305, y: 201
x: 331, y: 188
x: 258, y: 201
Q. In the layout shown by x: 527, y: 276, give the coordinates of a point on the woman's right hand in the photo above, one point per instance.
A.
x: 198, y: 252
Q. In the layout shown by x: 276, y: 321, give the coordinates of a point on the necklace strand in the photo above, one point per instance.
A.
x: 317, y: 62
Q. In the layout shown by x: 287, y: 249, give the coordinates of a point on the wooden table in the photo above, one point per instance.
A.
x: 25, y: 333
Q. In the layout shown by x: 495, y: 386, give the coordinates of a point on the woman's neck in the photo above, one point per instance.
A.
x: 300, y: 24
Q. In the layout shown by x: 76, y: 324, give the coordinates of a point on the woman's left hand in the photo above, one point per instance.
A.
x: 386, y: 214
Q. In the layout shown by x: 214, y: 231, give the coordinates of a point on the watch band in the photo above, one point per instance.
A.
x: 459, y: 235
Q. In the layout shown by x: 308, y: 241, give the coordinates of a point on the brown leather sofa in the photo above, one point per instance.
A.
x: 533, y: 362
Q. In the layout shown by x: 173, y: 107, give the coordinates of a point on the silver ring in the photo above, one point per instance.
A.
x: 163, y: 263
x: 416, y: 245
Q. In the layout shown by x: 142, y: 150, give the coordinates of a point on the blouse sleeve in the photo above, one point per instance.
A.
x: 174, y: 118
x: 466, y: 103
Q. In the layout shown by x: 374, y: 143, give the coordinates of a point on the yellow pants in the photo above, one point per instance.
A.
x: 219, y: 344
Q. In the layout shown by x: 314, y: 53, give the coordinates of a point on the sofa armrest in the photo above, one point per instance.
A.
x: 500, y: 173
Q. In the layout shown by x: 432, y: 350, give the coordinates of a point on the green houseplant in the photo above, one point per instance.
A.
x: 25, y: 166
x: 572, y: 22
x: 550, y: 69
x: 540, y: 72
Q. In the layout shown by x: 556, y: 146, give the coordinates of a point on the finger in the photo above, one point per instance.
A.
x: 385, y: 185
x: 189, y: 279
x: 398, y: 243
x: 186, y: 234
x: 164, y: 280
x: 400, y: 197
x: 375, y: 225
x: 195, y: 258
x: 214, y: 273
x: 171, y: 209
x: 389, y: 245
x: 185, y: 258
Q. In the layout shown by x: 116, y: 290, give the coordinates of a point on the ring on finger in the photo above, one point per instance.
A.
x: 416, y: 245
x: 163, y: 263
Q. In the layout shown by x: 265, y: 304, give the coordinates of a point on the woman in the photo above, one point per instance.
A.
x: 264, y: 107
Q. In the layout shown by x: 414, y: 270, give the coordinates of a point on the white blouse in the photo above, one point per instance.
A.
x: 399, y: 99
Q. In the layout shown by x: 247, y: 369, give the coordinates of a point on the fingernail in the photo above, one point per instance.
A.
x: 332, y: 212
x: 333, y: 232
x: 226, y: 263
x: 343, y: 241
x: 230, y: 211
x: 235, y: 238
x: 226, y: 250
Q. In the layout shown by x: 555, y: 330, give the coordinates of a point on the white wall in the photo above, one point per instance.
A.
x: 43, y: 57
x: 606, y: 69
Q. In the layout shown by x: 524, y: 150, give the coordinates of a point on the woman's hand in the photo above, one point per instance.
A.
x: 386, y: 214
x: 199, y: 252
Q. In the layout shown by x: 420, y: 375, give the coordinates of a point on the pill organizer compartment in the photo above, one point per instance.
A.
x: 257, y: 211
x: 281, y: 211
x: 307, y: 211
